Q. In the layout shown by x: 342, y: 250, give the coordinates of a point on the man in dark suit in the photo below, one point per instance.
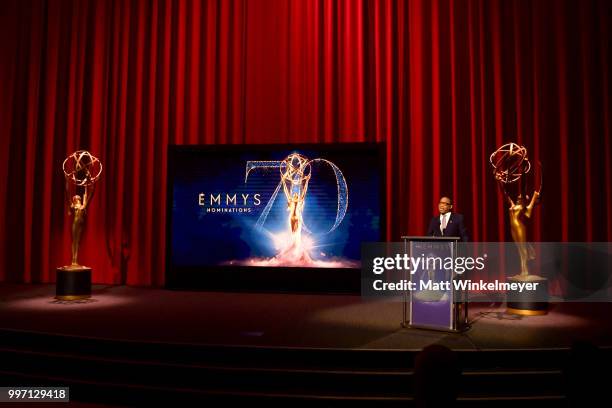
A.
x: 448, y: 223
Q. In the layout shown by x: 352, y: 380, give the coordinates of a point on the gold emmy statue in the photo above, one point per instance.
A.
x: 295, y: 175
x: 510, y: 163
x: 81, y: 170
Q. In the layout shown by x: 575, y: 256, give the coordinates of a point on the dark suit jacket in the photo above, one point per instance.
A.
x: 454, y: 227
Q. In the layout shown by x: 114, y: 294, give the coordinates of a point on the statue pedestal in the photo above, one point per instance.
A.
x: 73, y: 282
x: 528, y: 302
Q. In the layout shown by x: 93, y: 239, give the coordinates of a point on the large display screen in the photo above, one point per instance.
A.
x: 262, y: 207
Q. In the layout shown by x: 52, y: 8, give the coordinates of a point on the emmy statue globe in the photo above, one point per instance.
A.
x: 82, y: 170
x: 511, y: 164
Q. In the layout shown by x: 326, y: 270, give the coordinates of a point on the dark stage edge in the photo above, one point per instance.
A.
x: 139, y: 347
x: 286, y: 320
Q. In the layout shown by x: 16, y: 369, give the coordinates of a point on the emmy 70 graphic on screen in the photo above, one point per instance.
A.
x: 284, y: 206
x: 295, y: 242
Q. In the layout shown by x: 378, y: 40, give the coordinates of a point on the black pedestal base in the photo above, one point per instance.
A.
x: 73, y: 283
x: 528, y: 302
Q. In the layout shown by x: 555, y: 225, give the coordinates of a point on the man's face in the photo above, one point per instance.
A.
x: 444, y: 205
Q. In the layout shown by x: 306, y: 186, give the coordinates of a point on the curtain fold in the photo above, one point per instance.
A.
x: 441, y: 82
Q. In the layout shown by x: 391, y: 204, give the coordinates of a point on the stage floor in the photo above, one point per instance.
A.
x: 286, y: 320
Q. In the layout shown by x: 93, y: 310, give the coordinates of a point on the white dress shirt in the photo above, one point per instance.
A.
x: 444, y: 221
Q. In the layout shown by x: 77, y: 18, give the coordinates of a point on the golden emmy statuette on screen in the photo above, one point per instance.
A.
x: 295, y: 174
x: 82, y: 170
x: 511, y: 164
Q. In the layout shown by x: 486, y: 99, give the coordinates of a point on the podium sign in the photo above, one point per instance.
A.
x: 433, y: 302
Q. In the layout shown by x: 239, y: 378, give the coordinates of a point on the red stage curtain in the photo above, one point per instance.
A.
x: 442, y: 82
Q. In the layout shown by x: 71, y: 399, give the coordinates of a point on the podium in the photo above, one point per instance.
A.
x: 438, y: 306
